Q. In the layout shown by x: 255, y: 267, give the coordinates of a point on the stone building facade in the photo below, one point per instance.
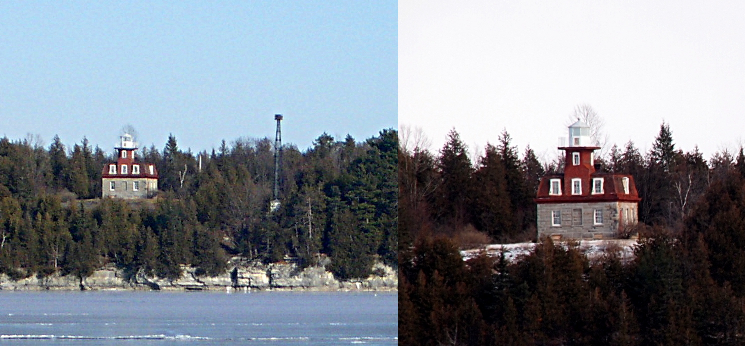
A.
x: 584, y: 203
x: 128, y: 178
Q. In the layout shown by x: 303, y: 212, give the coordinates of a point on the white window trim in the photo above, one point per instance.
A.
x: 575, y: 159
x: 579, y: 190
x: 112, y: 186
x: 135, y: 169
x: 112, y: 169
x: 551, y: 190
x: 124, y: 154
x: 124, y: 169
x: 554, y: 214
x: 592, y: 159
x: 595, y: 181
x: 625, y: 182
x: 151, y: 169
x: 597, y: 212
x: 135, y: 186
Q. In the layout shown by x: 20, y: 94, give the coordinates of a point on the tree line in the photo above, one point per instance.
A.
x: 338, y: 208
x: 683, y: 284
x: 491, y: 198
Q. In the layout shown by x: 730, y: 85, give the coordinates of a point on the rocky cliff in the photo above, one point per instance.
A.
x: 241, y: 275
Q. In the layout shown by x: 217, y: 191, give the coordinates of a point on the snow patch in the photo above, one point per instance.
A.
x: 593, y: 249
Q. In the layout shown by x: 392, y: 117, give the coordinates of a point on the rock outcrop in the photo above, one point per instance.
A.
x: 241, y: 275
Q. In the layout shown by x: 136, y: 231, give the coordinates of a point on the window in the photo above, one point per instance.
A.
x: 135, y: 186
x: 135, y: 169
x: 112, y: 169
x: 555, y: 187
x: 592, y: 159
x: 626, y: 216
x: 597, y: 186
x: 124, y: 154
x: 625, y: 181
x: 112, y: 186
x: 575, y: 159
x: 576, y: 217
x: 124, y: 169
x: 598, y: 216
x: 152, y: 170
x: 576, y: 186
x: 556, y: 218
x: 576, y: 141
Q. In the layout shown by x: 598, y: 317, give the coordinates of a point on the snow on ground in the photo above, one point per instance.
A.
x: 593, y: 249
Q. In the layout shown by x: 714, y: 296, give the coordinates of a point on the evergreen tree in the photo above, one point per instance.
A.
x: 517, y: 188
x: 656, y: 205
x: 80, y: 182
x: 58, y: 162
x: 491, y: 203
x: 455, y: 185
x: 663, y: 152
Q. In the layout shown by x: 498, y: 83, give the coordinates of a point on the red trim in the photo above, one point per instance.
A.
x: 585, y: 199
x: 129, y: 176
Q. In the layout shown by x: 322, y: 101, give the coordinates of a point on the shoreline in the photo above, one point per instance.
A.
x: 248, y: 277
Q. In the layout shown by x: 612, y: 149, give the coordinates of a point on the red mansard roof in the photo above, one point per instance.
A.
x: 612, y: 189
x: 144, y: 171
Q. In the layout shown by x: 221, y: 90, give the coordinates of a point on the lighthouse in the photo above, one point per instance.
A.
x: 583, y: 202
x: 128, y: 178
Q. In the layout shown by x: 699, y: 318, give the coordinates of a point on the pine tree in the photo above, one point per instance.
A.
x: 491, y: 203
x: 520, y: 196
x: 58, y: 162
x: 663, y: 149
x: 455, y: 186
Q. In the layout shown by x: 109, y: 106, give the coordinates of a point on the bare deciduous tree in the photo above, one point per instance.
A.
x: 589, y: 116
x: 412, y: 140
x: 129, y: 129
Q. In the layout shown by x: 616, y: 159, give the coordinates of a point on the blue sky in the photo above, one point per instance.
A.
x: 203, y: 71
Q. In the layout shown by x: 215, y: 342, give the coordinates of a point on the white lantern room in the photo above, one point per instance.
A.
x: 579, y: 135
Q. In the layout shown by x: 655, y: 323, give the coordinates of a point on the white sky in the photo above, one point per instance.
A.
x: 484, y: 66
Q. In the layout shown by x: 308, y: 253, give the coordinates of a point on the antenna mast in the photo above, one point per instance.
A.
x: 277, y: 152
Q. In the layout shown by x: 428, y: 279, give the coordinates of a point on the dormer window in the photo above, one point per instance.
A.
x: 576, y: 186
x: 152, y: 170
x: 625, y: 182
x: 575, y: 159
x: 555, y: 187
x: 597, y: 186
x: 135, y: 169
x: 124, y: 169
x: 124, y: 154
x: 112, y: 169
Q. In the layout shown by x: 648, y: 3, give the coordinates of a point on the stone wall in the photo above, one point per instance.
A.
x: 148, y: 187
x: 578, y: 220
x: 241, y: 275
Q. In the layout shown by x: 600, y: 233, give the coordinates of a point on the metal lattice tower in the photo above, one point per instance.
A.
x: 277, y: 154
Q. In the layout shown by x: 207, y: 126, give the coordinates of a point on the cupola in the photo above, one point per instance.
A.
x: 579, y: 135
x: 126, y: 142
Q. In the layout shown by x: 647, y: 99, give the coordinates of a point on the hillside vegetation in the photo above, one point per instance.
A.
x: 684, y: 284
x: 339, y: 200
